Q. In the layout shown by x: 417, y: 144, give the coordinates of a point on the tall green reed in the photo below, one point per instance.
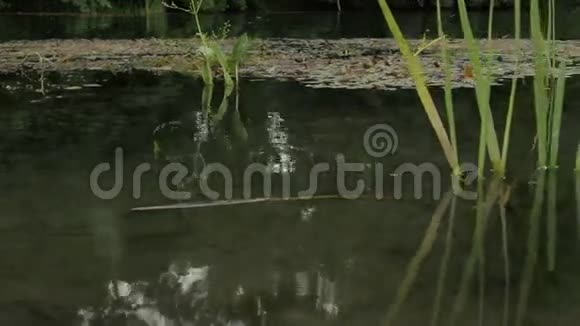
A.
x: 448, y: 80
x: 211, y: 49
x: 417, y: 72
x: 514, y: 86
x: 548, y: 100
x: 482, y: 88
x: 194, y: 7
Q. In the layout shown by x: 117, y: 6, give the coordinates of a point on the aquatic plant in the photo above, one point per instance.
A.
x: 208, y: 55
x: 211, y: 47
x: 549, y: 90
x: 549, y: 85
x: 239, y: 54
x: 417, y: 72
x: 448, y: 79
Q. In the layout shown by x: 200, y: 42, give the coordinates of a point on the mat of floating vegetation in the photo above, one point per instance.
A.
x: 345, y: 63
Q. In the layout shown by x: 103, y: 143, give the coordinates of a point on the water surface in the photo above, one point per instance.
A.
x: 323, y: 261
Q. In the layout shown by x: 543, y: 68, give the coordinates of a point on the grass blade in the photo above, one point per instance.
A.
x: 222, y: 60
x: 490, y: 21
x: 541, y: 101
x: 418, y: 74
x: 449, y: 108
x: 513, y: 91
x: 482, y: 87
x: 557, y: 115
x: 241, y: 49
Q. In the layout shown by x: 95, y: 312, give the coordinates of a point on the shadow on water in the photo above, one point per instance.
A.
x: 69, y: 256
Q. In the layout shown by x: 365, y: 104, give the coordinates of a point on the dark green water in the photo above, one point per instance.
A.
x: 324, y: 261
x: 334, y: 262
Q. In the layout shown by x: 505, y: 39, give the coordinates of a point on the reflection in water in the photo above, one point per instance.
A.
x: 320, y: 262
x: 417, y: 260
x: 283, y: 161
x: 532, y: 248
x: 182, y: 295
x: 485, y: 203
x: 442, y: 274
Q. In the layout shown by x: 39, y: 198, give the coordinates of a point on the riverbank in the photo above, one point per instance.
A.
x: 318, y: 63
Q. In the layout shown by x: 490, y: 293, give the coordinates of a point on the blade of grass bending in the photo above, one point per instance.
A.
x: 418, y: 74
x: 240, y: 50
x: 556, y: 121
x: 481, y: 151
x: 541, y: 100
x: 532, y: 246
x: 482, y: 87
x: 417, y: 260
x: 222, y: 60
x: 239, y: 54
x: 450, y: 110
x: 556, y: 118
x: 509, y: 120
x: 513, y: 91
x: 444, y: 264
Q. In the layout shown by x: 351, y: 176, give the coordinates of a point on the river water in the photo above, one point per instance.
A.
x: 318, y: 261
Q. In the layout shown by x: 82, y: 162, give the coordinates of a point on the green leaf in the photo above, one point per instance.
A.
x: 417, y: 72
x: 241, y: 49
x: 222, y: 60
